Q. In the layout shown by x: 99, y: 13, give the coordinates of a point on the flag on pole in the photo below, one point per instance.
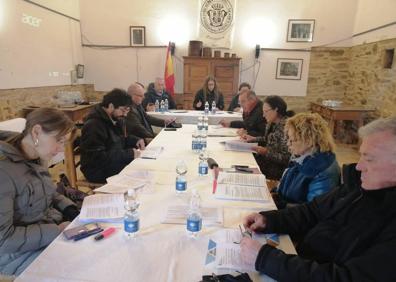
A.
x: 169, y: 74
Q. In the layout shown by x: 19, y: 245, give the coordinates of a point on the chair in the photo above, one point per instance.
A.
x: 71, y: 165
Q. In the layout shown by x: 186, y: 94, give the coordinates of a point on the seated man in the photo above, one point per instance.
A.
x: 105, y: 148
x: 138, y: 121
x: 344, y: 235
x: 234, y: 105
x: 253, y: 121
x: 157, y: 94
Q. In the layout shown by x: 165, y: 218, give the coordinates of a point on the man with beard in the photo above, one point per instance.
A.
x: 105, y: 147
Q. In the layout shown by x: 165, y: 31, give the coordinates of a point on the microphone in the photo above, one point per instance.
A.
x: 212, y: 163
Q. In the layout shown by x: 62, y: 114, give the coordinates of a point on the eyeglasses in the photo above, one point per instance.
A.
x: 244, y: 233
x: 266, y: 111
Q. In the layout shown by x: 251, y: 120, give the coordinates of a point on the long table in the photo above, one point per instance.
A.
x: 161, y: 252
x: 191, y: 117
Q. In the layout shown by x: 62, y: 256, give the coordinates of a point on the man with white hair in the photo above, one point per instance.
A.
x: 344, y: 235
x: 138, y: 122
x: 157, y: 93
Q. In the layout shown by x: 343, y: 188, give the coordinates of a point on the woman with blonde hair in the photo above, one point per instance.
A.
x: 208, y: 93
x: 313, y: 168
x: 32, y: 212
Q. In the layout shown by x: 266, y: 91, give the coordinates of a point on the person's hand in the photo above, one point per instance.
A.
x: 136, y: 153
x: 248, y: 138
x: 168, y: 121
x: 198, y: 105
x: 63, y: 225
x: 249, y: 251
x: 150, y: 107
x: 224, y: 123
x: 140, y: 144
x: 241, y: 132
x: 255, y: 222
x: 260, y: 150
x: 148, y: 140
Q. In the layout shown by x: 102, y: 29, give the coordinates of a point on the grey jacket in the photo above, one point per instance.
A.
x: 29, y: 210
x: 139, y: 123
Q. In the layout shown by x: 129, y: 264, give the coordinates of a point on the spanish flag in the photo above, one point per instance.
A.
x: 169, y: 74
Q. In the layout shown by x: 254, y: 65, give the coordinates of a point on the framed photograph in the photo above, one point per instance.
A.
x: 137, y: 35
x: 289, y: 69
x: 300, y: 30
x: 80, y: 71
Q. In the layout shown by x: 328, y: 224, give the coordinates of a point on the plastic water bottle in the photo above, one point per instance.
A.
x: 203, y: 163
x: 213, y: 107
x: 181, y: 181
x: 194, y: 142
x: 194, y: 218
x: 162, y: 106
x: 157, y: 106
x: 203, y: 139
x: 206, y: 123
x: 131, y: 218
x: 166, y: 105
x: 200, y: 124
x: 206, y: 108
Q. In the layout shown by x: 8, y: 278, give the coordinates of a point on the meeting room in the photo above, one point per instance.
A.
x: 197, y: 140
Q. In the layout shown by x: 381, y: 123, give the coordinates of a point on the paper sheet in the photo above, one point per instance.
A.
x: 177, y: 214
x: 151, y: 152
x: 239, y: 146
x: 121, y: 183
x: 242, y: 179
x: 242, y: 193
x: 102, y: 207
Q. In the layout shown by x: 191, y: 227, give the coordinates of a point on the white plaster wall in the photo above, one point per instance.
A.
x: 257, y: 22
x: 67, y: 7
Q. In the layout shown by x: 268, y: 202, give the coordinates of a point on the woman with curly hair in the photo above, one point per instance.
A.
x: 313, y: 169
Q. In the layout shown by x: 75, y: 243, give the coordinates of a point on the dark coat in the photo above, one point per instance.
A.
x: 211, y: 96
x: 151, y: 96
x: 234, y: 103
x: 316, y: 175
x: 139, y: 123
x: 345, y: 235
x: 105, y: 151
x: 254, y: 122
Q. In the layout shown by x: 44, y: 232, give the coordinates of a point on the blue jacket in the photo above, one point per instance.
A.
x: 317, y: 174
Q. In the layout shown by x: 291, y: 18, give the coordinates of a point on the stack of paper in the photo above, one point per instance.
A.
x: 177, y: 214
x: 121, y: 183
x: 242, y: 187
x: 102, y: 208
x: 239, y: 146
x: 219, y: 131
x: 151, y: 152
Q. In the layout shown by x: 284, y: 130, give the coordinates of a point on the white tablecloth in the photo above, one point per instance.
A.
x: 191, y: 117
x: 161, y: 252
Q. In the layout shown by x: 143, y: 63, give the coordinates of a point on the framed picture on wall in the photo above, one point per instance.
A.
x: 300, y: 30
x: 289, y: 68
x: 137, y: 35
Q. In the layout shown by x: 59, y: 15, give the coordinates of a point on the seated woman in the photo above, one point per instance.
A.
x: 273, y: 155
x: 32, y: 212
x: 234, y: 104
x: 208, y: 93
x: 313, y: 169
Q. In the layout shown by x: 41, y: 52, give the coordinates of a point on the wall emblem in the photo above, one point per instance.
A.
x: 216, y: 15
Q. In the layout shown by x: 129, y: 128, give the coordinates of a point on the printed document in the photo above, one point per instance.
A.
x: 151, y: 152
x: 102, y: 207
x: 242, y: 193
x: 239, y: 146
x: 242, y: 179
x: 177, y: 214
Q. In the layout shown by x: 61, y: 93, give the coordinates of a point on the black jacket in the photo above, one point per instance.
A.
x: 199, y: 96
x: 254, y: 122
x: 345, y: 235
x: 139, y: 123
x: 151, y: 96
x: 234, y: 103
x: 104, y: 149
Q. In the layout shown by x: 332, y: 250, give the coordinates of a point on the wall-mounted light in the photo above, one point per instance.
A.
x: 257, y: 51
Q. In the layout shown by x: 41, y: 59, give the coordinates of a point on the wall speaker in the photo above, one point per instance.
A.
x: 257, y: 53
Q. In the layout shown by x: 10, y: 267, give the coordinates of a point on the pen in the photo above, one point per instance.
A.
x: 105, y: 233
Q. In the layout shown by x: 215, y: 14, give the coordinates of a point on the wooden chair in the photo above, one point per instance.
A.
x: 71, y: 165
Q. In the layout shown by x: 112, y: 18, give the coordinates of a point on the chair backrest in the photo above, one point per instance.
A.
x: 70, y: 162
